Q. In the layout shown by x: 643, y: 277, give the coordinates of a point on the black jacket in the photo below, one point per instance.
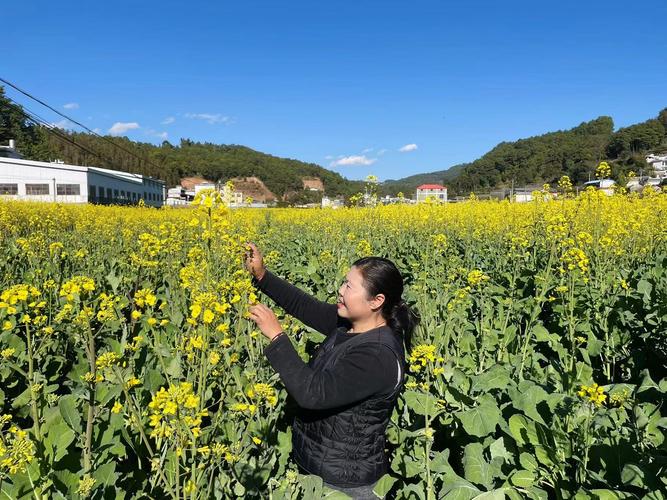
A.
x: 345, y: 393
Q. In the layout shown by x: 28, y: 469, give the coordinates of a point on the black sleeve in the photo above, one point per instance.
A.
x: 318, y: 315
x: 364, y: 370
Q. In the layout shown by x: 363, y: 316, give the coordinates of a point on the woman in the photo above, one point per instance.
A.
x: 347, y: 390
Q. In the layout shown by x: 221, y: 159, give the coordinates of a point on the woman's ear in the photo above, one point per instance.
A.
x: 377, y: 301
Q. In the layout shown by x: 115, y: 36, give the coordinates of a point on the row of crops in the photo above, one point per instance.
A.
x: 129, y: 368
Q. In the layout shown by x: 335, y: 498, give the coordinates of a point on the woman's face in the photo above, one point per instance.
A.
x: 352, y: 297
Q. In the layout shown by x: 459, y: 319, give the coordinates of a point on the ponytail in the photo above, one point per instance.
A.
x: 403, y: 320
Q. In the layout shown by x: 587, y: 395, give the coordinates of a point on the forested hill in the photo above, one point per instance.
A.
x: 545, y: 158
x: 166, y: 161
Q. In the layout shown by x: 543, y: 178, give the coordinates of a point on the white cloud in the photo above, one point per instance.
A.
x: 353, y: 160
x: 381, y: 152
x: 169, y: 120
x: 367, y: 150
x: 211, y: 118
x: 159, y: 135
x: 71, y: 105
x: 97, y: 130
x: 119, y: 128
x: 63, y: 124
x: 407, y: 148
x: 328, y: 157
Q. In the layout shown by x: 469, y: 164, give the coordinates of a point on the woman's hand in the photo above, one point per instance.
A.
x: 254, y: 261
x: 265, y: 319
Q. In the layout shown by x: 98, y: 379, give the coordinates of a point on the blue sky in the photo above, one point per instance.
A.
x: 362, y: 87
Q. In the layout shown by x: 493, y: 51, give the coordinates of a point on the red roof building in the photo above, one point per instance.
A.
x: 436, y: 191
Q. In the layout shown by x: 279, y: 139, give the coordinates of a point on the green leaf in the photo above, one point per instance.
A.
x: 647, y: 382
x: 644, y: 287
x: 70, y: 412
x: 497, y: 377
x: 58, y: 440
x: 522, y: 478
x: 603, y: 494
x: 422, y: 403
x: 528, y: 461
x: 440, y: 463
x: 481, y: 420
x: 523, y: 429
x: 528, y: 399
x: 383, y: 485
x: 498, y: 494
x: 460, y: 489
x: 541, y: 334
x: 476, y: 469
x: 106, y: 474
x: 498, y: 449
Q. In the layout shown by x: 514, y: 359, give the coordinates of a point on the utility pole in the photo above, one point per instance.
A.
x: 54, y: 190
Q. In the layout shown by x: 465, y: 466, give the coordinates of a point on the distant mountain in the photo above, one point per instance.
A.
x: 407, y: 185
x: 545, y: 158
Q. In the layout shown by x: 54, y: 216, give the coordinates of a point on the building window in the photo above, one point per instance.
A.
x: 145, y: 195
x: 68, y: 189
x: 122, y: 194
x: 134, y: 196
x: 9, y: 189
x: 115, y: 193
x: 101, y: 191
x: 36, y: 189
x: 109, y: 193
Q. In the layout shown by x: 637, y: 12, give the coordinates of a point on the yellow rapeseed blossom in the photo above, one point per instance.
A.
x: 144, y: 297
x: 175, y: 411
x: 594, y: 394
x: 16, y: 448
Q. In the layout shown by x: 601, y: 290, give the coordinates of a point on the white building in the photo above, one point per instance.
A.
x: 435, y: 191
x: 659, y: 165
x: 331, y: 202
x: 604, y: 185
x: 55, y: 181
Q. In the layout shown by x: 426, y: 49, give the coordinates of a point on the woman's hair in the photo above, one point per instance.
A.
x: 382, y: 276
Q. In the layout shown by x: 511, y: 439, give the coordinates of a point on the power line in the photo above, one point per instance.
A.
x: 27, y: 94
x: 33, y: 117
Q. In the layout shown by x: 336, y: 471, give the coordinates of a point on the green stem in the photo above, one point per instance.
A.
x: 31, y: 381
x: 88, y: 452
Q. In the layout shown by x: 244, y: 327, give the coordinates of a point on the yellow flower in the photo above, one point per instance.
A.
x: 117, y: 407
x: 256, y: 440
x: 136, y: 315
x: 195, y: 310
x: 145, y: 297
x: 208, y: 316
x: 106, y: 360
x: 7, y: 353
x: 594, y: 394
x: 213, y: 358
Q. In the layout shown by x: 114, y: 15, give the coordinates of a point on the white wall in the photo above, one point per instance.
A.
x: 134, y: 187
x: 22, y: 172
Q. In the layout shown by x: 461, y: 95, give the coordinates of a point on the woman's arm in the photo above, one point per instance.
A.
x: 364, y: 370
x: 318, y: 315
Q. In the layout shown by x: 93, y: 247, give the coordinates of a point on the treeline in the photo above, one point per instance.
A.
x: 545, y: 158
x: 166, y: 161
x: 535, y: 160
